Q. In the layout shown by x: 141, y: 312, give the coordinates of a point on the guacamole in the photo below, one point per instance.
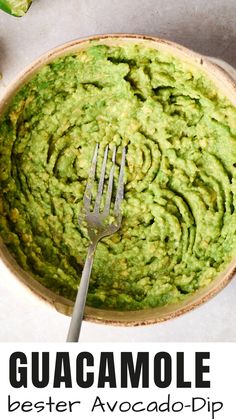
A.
x: 179, y: 220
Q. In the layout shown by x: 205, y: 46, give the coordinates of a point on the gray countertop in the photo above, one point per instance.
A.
x: 207, y: 27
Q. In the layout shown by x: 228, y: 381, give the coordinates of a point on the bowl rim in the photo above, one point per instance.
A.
x: 225, y: 83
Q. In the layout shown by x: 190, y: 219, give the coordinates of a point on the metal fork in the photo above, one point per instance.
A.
x: 97, y: 227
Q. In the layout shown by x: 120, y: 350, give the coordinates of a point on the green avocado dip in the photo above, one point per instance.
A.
x: 179, y: 220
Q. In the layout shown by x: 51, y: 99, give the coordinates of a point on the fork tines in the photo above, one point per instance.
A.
x: 91, y: 180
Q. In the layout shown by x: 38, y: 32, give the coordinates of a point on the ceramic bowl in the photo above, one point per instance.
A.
x: 225, y: 83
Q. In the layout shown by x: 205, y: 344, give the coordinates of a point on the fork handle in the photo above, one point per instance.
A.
x: 78, y: 311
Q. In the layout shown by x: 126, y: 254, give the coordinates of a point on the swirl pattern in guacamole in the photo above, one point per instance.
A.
x: 179, y: 220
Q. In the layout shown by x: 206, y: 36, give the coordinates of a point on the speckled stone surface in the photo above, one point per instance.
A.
x: 207, y: 27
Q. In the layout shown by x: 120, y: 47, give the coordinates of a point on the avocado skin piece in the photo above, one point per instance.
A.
x: 14, y: 8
